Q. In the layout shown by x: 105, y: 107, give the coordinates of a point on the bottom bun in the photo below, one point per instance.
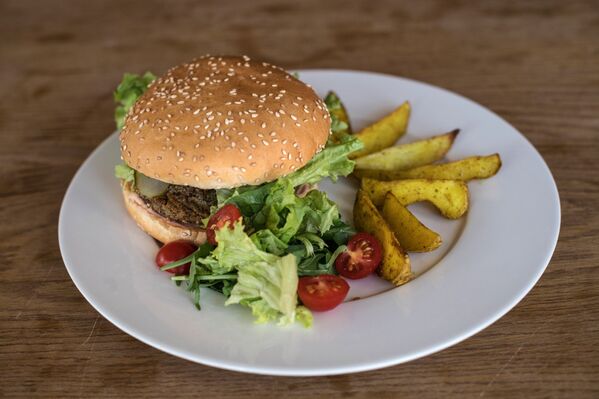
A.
x: 157, y: 226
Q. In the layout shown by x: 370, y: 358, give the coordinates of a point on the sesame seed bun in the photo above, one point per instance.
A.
x: 223, y: 122
x: 159, y: 227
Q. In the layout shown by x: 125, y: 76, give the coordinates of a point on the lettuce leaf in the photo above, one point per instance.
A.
x: 331, y: 162
x: 128, y: 91
x: 249, y: 199
x: 266, y: 283
x: 339, y: 127
x: 267, y: 241
x: 275, y: 206
x: 125, y: 173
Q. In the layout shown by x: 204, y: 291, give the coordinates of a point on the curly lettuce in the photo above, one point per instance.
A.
x: 266, y: 283
x: 128, y: 91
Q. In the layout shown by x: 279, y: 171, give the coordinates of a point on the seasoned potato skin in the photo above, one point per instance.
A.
x: 395, y: 266
x: 410, y: 232
x: 410, y: 155
x: 385, y: 132
x: 449, y: 196
x: 479, y: 167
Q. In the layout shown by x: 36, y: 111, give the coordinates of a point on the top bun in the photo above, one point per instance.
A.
x: 223, y: 122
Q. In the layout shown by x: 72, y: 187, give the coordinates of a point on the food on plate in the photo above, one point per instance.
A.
x: 128, y: 92
x: 323, y: 292
x: 225, y: 216
x: 340, y: 125
x: 383, y: 133
x: 173, y: 252
x: 449, y: 196
x: 410, y: 232
x: 362, y: 257
x: 395, y: 264
x: 221, y: 160
x: 225, y: 153
x: 480, y: 167
x: 407, y: 156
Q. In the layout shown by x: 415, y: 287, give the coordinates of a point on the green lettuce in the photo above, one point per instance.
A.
x: 331, y: 162
x: 339, y: 127
x: 266, y: 283
x: 128, y: 91
x: 125, y: 173
x: 287, y: 215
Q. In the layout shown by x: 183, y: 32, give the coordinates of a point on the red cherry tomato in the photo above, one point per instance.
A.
x: 174, y: 251
x: 324, y: 292
x: 363, y: 256
x: 225, y: 215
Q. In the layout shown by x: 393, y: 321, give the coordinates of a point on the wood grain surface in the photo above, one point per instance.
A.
x: 534, y: 63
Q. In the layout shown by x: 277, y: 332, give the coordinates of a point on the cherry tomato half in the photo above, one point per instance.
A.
x: 174, y: 251
x: 225, y: 215
x: 324, y: 292
x: 363, y: 256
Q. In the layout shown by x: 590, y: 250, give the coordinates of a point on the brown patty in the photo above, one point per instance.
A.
x: 183, y: 204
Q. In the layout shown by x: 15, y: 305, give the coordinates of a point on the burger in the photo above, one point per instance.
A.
x: 214, y: 123
x: 231, y: 131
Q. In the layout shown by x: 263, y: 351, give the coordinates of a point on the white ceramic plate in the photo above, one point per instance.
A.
x: 489, y: 260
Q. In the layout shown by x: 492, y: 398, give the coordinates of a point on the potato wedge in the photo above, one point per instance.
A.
x: 411, y: 155
x: 449, y: 196
x: 395, y: 266
x: 410, y: 232
x: 385, y: 132
x: 465, y: 169
x: 339, y: 115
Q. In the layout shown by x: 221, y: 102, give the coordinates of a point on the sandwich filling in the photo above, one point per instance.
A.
x: 182, y: 204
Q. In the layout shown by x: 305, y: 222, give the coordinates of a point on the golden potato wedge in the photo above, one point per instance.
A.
x: 411, y: 155
x: 385, y: 132
x: 340, y: 124
x: 410, y: 232
x: 465, y: 169
x: 449, y: 196
x: 395, y: 266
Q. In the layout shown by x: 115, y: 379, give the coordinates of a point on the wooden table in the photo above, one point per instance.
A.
x: 536, y: 64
